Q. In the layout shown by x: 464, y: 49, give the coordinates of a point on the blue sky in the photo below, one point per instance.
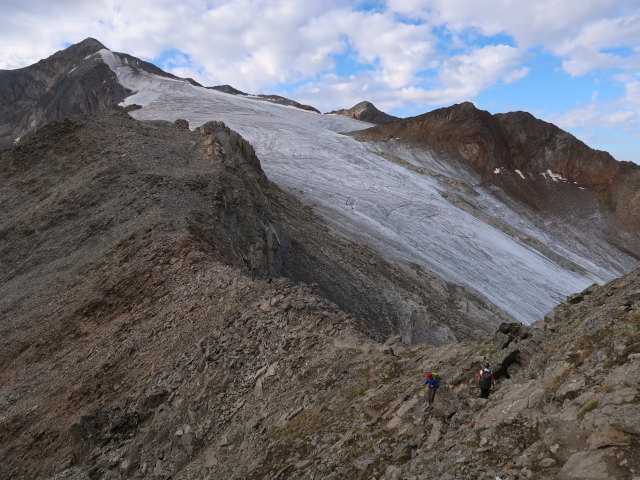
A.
x: 574, y: 63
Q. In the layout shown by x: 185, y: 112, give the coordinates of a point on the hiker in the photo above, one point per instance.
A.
x: 432, y: 383
x: 486, y: 381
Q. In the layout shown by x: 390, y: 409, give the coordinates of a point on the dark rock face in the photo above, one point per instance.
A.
x: 71, y: 81
x: 367, y: 112
x: 286, y: 101
x: 519, y: 141
x: 227, y: 89
x: 193, y: 82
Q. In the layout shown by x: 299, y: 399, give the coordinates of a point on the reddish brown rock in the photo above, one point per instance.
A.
x: 518, y: 140
x: 367, y: 112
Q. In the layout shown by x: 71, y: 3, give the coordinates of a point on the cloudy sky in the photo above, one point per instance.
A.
x: 575, y: 63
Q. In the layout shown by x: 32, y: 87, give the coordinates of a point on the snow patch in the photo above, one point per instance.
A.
x: 520, y: 173
x: 497, y: 170
x: 555, y: 176
x: 149, y: 87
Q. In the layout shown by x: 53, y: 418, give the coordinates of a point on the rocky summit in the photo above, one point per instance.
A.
x: 367, y: 112
x: 68, y: 82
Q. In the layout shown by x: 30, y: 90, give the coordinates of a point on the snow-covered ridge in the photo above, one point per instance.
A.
x: 406, y: 214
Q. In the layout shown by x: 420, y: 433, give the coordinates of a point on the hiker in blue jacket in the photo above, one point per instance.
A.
x: 432, y: 384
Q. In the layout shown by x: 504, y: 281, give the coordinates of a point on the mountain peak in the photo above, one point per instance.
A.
x: 71, y: 81
x: 364, y: 104
x: 90, y: 42
x: 367, y: 112
x: 80, y: 50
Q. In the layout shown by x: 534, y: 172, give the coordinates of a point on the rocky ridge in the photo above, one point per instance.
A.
x: 367, y: 112
x: 228, y: 89
x: 288, y: 389
x: 287, y: 101
x: 252, y: 223
x: 578, y: 219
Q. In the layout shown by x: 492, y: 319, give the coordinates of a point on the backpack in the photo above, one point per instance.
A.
x: 436, y: 378
x: 485, y: 379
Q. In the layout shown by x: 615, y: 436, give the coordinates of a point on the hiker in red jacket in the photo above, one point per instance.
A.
x: 486, y: 380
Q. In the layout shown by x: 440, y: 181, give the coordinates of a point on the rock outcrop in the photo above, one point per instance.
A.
x: 227, y: 89
x: 367, y: 112
x: 286, y: 101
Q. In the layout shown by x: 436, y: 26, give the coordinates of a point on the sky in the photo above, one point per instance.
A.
x: 575, y: 63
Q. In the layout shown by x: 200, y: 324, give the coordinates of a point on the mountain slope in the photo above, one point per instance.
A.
x: 186, y: 368
x: 124, y: 242
x: 142, y: 335
x: 168, y: 312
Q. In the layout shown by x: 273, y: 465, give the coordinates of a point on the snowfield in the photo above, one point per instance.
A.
x: 400, y: 212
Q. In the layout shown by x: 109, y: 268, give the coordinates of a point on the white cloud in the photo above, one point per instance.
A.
x: 464, y: 76
x: 612, y: 125
x: 597, y: 115
x: 576, y: 30
x: 254, y: 45
x: 399, y: 50
x: 632, y: 93
x: 587, y: 51
x: 530, y: 23
x: 620, y: 115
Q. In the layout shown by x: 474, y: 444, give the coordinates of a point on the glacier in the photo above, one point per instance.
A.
x: 393, y: 207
